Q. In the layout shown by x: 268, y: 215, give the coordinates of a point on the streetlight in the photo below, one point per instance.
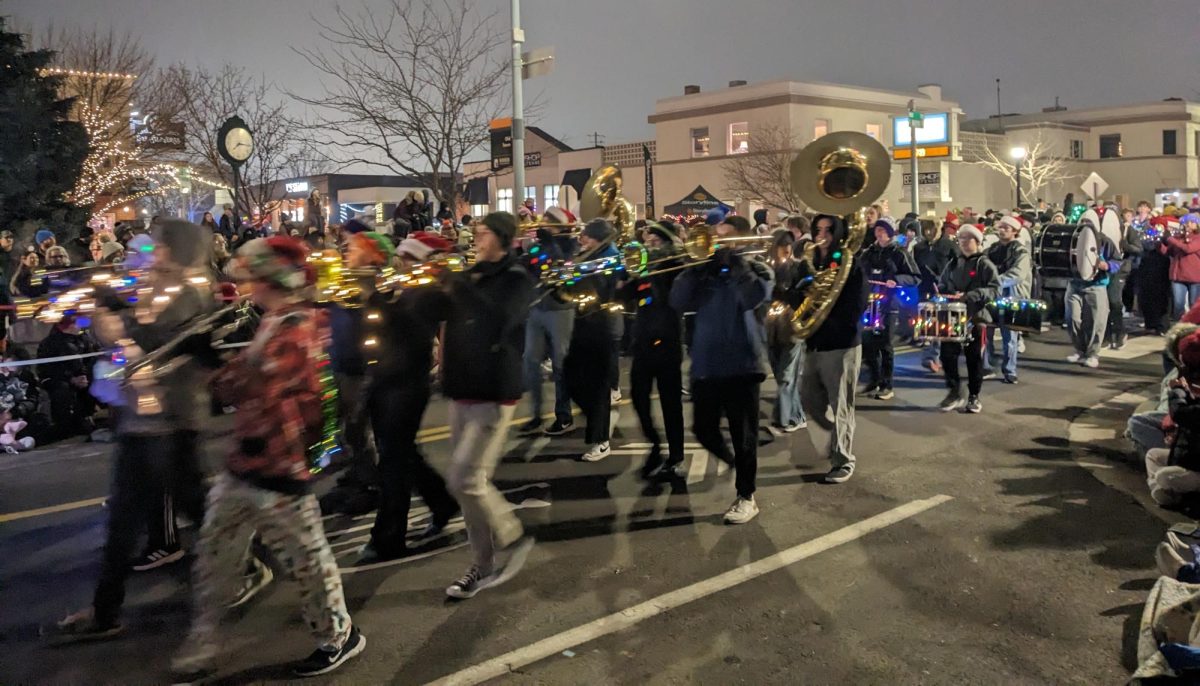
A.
x: 1018, y: 155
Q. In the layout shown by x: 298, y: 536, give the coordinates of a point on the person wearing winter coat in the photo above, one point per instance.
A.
x: 888, y: 267
x: 66, y: 382
x: 972, y: 279
x: 1087, y: 302
x: 931, y: 255
x: 1012, y: 260
x: 1173, y: 472
x: 1131, y: 249
x: 1184, y: 252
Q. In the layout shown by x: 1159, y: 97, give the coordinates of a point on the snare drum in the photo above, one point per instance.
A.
x: 941, y: 320
x: 874, y: 319
x: 1018, y: 315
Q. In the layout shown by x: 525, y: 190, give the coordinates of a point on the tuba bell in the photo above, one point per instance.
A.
x: 839, y: 174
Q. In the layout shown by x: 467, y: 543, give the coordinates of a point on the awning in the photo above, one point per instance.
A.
x: 577, y: 179
x: 477, y: 191
x: 697, y: 202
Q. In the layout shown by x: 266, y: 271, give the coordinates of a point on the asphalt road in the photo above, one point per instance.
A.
x: 966, y: 549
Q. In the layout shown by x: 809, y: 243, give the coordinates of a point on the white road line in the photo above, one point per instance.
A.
x: 698, y: 468
x: 505, y: 664
x: 1136, y: 347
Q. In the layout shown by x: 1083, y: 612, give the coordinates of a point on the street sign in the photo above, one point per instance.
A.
x: 1094, y: 186
x: 538, y: 62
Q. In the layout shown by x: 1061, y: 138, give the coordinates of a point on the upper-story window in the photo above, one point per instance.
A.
x: 1076, y: 149
x: 875, y: 131
x: 1170, y: 146
x: 820, y: 127
x: 1110, y: 146
x: 739, y: 138
x: 700, y: 142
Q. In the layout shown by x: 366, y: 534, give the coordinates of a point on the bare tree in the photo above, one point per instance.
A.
x: 410, y: 89
x: 764, y: 173
x: 1040, y: 168
x: 202, y: 100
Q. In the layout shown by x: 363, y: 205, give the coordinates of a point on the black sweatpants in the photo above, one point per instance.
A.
x: 661, y: 364
x: 1116, y: 301
x: 396, y: 411
x: 737, y: 399
x: 145, y: 467
x: 588, y: 374
x: 161, y: 530
x: 972, y: 349
x: 878, y: 354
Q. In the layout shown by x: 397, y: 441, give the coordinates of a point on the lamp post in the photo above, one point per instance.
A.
x: 1018, y: 156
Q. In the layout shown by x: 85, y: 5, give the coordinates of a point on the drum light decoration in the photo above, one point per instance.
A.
x: 941, y: 320
x: 1018, y: 314
x: 321, y: 453
x: 876, y: 312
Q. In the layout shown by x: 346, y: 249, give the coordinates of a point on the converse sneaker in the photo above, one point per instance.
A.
x: 973, y: 405
x: 885, y: 394
x: 741, y: 511
x: 253, y: 582
x: 156, y: 558
x: 325, y: 660
x: 839, y: 475
x: 1092, y: 362
x: 951, y: 402
x: 1074, y: 358
x: 597, y: 452
x: 559, y: 428
x: 467, y: 585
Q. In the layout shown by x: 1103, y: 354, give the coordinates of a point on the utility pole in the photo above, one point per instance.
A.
x: 596, y: 139
x: 999, y: 112
x: 518, y: 116
x: 915, y: 121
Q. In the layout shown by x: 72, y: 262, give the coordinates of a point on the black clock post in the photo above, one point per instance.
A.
x: 235, y: 128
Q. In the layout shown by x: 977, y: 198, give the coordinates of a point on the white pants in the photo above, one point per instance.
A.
x: 477, y: 435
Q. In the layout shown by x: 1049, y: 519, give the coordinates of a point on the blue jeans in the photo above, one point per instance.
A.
x: 555, y: 325
x: 1184, y: 296
x: 1010, y: 341
x: 786, y: 363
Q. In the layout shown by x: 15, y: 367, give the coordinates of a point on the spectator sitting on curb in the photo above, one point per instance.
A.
x: 1173, y: 472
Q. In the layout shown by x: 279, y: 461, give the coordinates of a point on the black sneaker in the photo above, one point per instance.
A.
x: 951, y: 402
x: 81, y: 627
x: 1120, y: 342
x: 973, y: 405
x: 1011, y: 379
x: 530, y: 427
x: 371, y: 554
x: 559, y: 428
x: 324, y: 661
x: 468, y: 584
x: 671, y: 470
x: 654, y: 462
x: 156, y: 558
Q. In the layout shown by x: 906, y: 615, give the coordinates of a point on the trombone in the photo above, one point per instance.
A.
x: 702, y: 244
x: 340, y: 285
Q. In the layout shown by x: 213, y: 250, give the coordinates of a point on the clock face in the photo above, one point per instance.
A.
x: 239, y: 144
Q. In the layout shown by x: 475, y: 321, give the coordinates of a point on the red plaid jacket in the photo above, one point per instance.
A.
x: 277, y: 391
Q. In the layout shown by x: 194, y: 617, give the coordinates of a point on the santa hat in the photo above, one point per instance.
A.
x: 1011, y: 222
x: 952, y: 218
x: 279, y: 260
x: 376, y: 246
x: 970, y: 230
x: 558, y: 215
x: 421, y: 244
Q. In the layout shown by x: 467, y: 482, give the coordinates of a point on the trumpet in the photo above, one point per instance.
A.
x: 341, y: 285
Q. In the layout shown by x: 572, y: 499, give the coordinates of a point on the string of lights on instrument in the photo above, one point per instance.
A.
x: 1018, y: 314
x: 941, y: 319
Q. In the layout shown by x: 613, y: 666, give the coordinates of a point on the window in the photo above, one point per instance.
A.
x: 504, y: 200
x: 1169, y: 147
x: 1110, y: 146
x: 700, y: 142
x: 1196, y: 147
x: 820, y: 127
x: 1076, y: 149
x: 479, y: 211
x: 874, y: 131
x: 550, y: 193
x: 531, y: 194
x: 739, y: 138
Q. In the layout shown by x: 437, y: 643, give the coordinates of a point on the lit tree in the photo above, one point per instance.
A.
x: 1040, y: 168
x: 410, y: 88
x: 764, y: 173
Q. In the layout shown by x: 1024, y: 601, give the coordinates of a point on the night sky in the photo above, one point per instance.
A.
x: 614, y: 59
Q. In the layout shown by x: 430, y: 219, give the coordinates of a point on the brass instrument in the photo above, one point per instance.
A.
x: 78, y: 298
x: 701, y: 245
x: 838, y: 174
x: 151, y: 364
x: 341, y: 285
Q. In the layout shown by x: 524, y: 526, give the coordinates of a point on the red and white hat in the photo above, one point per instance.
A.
x: 421, y: 244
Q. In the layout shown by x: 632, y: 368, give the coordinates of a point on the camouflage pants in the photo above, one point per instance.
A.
x: 290, y: 526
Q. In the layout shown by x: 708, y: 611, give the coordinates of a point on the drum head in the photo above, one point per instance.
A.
x: 1085, y: 252
x: 1110, y: 226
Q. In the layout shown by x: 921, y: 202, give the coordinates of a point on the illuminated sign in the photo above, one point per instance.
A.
x: 922, y: 153
x: 296, y: 187
x: 935, y: 129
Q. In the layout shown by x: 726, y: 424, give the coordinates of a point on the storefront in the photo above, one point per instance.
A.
x: 345, y: 196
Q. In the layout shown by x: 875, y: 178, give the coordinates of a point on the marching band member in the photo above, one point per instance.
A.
x: 932, y: 255
x: 785, y: 352
x: 158, y: 420
x: 725, y: 350
x: 588, y: 365
x: 888, y: 264
x: 400, y: 329
x: 1184, y: 252
x: 1153, y: 274
x: 972, y: 279
x: 265, y: 485
x: 1131, y: 249
x: 658, y: 352
x: 833, y: 353
x: 1012, y: 261
x: 484, y: 310
x: 551, y: 321
x: 1087, y: 302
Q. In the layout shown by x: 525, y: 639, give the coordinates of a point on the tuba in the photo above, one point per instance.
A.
x: 839, y: 174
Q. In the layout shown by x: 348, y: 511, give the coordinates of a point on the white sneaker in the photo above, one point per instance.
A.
x: 1074, y: 357
x: 1093, y: 362
x: 616, y: 396
x: 1021, y: 345
x: 741, y: 511
x: 597, y: 452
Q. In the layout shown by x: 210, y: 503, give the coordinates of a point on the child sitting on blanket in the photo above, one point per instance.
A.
x: 1173, y: 473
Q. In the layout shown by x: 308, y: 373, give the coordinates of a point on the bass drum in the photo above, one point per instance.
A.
x: 1067, y: 251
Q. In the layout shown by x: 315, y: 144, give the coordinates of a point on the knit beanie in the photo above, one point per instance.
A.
x: 503, y: 224
x: 109, y: 249
x: 278, y: 260
x: 715, y: 216
x: 42, y: 236
x: 598, y: 230
x: 760, y: 217
x: 664, y: 231
x: 886, y: 224
x: 375, y: 245
x: 970, y: 230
